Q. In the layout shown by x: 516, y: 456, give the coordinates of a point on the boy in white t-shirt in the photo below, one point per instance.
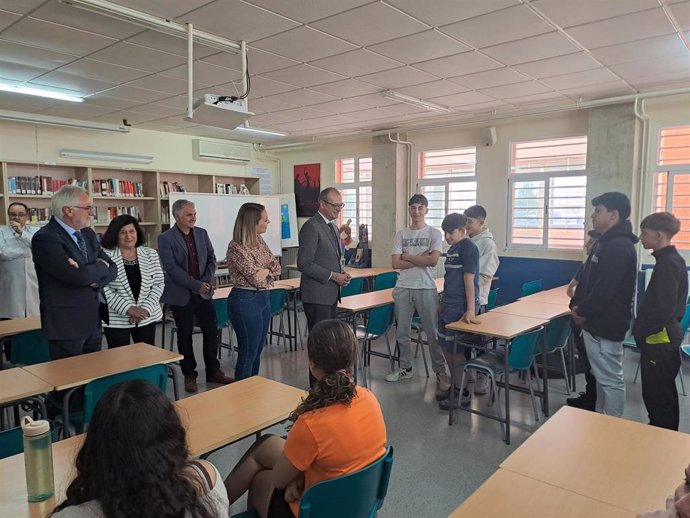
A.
x: 416, y: 251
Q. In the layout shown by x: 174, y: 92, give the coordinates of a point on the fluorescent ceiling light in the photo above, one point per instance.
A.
x: 33, y: 118
x: 38, y: 92
x: 414, y: 101
x: 110, y: 157
x: 258, y: 131
x: 120, y: 12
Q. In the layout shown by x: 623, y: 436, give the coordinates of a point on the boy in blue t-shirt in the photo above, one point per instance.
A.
x: 460, y: 300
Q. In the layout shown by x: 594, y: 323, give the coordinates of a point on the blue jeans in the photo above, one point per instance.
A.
x: 250, y: 314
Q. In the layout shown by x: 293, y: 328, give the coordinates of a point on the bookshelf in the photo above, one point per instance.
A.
x: 141, y: 192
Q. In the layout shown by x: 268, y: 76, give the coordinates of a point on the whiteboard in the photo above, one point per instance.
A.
x: 216, y: 213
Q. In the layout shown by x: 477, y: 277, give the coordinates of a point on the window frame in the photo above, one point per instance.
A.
x: 356, y: 185
x: 546, y: 177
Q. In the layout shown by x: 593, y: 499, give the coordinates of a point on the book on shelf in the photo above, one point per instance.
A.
x: 166, y: 188
x: 39, y: 216
x: 39, y: 185
x: 225, y: 188
x: 104, y: 215
x: 116, y: 187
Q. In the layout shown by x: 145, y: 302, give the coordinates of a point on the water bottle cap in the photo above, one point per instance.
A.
x: 33, y: 428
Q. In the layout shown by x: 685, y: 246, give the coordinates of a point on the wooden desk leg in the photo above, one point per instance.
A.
x: 545, y: 374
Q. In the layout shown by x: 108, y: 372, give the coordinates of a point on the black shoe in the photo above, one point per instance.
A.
x: 582, y: 401
x: 465, y: 401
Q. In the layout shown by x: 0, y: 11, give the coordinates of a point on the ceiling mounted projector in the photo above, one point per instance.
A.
x: 219, y: 111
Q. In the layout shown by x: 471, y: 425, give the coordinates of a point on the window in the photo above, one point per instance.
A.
x: 672, y: 180
x: 547, y: 186
x: 447, y: 178
x: 353, y: 179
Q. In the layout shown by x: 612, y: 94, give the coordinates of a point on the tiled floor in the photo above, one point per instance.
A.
x: 436, y: 466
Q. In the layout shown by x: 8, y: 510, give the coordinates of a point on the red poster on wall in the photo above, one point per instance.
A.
x: 307, y: 188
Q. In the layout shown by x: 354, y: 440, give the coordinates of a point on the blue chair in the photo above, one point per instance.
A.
x: 379, y: 323
x: 557, y: 335
x: 29, y: 348
x: 530, y: 288
x: 278, y: 300
x: 356, y: 495
x: 520, y: 358
x: 94, y: 390
x: 386, y: 280
x: 223, y: 322
x: 354, y: 287
x: 493, y: 296
x: 12, y: 441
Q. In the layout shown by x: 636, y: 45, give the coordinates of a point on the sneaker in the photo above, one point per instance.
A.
x: 582, y: 401
x: 442, y: 382
x: 465, y: 401
x: 190, y: 383
x: 470, y: 376
x: 482, y: 385
x: 400, y: 375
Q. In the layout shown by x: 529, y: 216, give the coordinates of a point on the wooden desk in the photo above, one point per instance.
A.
x: 221, y: 416
x: 510, y: 494
x: 374, y: 299
x: 534, y: 309
x: 552, y: 296
x: 288, y: 284
x: 16, y: 384
x: 79, y: 370
x: 507, y: 327
x: 213, y: 419
x: 627, y: 464
x: 354, y: 272
x: 19, y: 325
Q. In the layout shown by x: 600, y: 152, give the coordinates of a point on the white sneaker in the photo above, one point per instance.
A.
x: 400, y: 375
x: 442, y: 382
x: 482, y: 385
x: 470, y: 376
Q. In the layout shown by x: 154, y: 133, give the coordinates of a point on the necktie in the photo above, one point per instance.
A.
x: 82, y: 245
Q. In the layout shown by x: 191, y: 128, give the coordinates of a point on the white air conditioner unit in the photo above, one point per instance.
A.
x: 209, y: 150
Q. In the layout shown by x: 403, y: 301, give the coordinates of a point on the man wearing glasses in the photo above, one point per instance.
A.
x: 320, y: 259
x: 18, y: 282
x: 71, y: 268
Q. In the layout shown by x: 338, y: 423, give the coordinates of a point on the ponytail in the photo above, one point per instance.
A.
x: 334, y: 388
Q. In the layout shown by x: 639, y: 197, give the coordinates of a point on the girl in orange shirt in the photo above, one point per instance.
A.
x: 338, y: 429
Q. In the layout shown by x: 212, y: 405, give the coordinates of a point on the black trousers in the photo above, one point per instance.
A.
x: 316, y: 313
x: 67, y: 348
x: 590, y: 382
x: 659, y: 366
x: 205, y: 314
x: 119, y: 336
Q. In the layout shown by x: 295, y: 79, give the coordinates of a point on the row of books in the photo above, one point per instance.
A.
x: 104, y: 215
x: 229, y: 188
x: 166, y: 188
x: 39, y: 216
x: 39, y: 185
x: 116, y: 187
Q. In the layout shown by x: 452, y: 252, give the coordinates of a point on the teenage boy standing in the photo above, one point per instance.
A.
x: 488, y: 265
x: 657, y: 329
x: 606, y: 287
x: 416, y: 251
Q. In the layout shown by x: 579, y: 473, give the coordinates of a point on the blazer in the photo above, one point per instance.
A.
x: 317, y: 257
x: 69, y: 295
x: 119, y: 295
x: 175, y: 260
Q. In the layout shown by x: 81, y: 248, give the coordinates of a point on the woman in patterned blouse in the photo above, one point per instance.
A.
x: 252, y: 268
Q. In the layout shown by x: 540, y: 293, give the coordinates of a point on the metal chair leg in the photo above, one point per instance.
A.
x: 531, y: 394
x: 565, y: 372
x: 637, y: 371
x: 281, y: 326
x: 420, y: 344
x: 390, y: 356
x: 680, y: 374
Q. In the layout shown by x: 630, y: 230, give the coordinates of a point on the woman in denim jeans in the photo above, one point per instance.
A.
x: 252, y: 268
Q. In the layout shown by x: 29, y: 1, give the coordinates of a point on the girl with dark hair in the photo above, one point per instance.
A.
x: 251, y: 268
x: 133, y: 298
x: 338, y: 429
x: 135, y: 462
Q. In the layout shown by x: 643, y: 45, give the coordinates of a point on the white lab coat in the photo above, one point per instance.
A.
x: 18, y: 284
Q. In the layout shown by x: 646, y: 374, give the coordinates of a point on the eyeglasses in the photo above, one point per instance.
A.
x: 17, y: 214
x: 338, y: 206
x: 88, y: 208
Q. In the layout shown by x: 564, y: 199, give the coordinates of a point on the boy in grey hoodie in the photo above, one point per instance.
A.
x: 488, y: 264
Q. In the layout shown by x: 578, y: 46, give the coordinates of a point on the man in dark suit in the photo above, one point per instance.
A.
x: 319, y: 258
x: 189, y: 265
x: 71, y: 268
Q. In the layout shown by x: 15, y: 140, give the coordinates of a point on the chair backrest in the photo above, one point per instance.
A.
x: 354, y: 287
x: 383, y: 281
x: 356, y: 495
x: 530, y: 288
x: 222, y: 316
x: 380, y: 320
x: 29, y: 348
x: 12, y: 441
x: 523, y: 349
x: 491, y: 303
x: 685, y: 321
x: 557, y: 333
x: 154, y: 374
x: 277, y: 299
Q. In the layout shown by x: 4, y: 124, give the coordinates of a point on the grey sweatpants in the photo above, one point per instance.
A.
x: 425, y: 301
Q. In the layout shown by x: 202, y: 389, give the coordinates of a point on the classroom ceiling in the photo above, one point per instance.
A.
x: 320, y: 67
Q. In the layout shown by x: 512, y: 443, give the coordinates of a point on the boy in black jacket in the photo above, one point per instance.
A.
x: 657, y: 329
x: 605, y: 291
